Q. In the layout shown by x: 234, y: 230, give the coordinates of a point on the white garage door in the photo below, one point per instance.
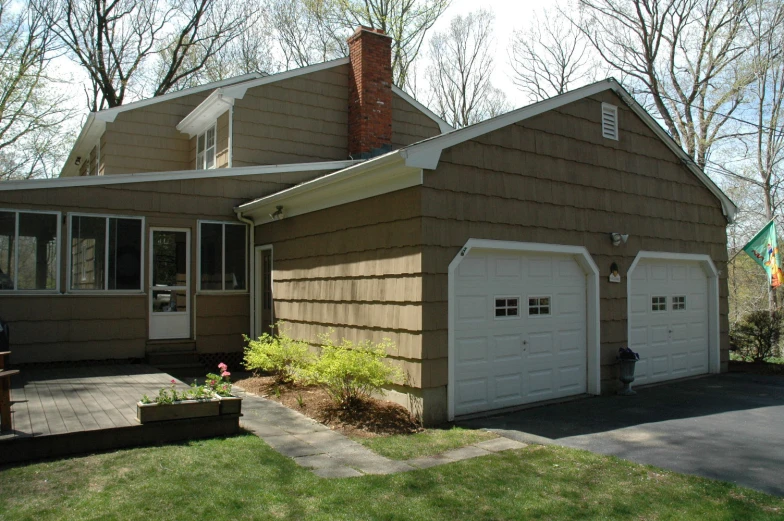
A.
x: 669, y: 320
x: 519, y: 329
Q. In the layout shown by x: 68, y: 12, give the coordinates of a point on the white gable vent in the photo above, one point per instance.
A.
x: 609, y: 121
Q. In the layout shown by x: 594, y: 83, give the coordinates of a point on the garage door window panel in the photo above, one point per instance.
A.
x: 658, y: 304
x: 678, y: 303
x: 539, y: 306
x: 507, y: 307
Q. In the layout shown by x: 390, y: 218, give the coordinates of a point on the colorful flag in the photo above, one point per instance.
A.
x: 764, y: 249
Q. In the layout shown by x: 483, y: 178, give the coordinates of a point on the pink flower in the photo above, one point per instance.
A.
x: 222, y: 366
x: 212, y: 382
x: 174, y: 381
x: 225, y: 373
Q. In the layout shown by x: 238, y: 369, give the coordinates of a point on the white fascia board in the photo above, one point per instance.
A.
x: 238, y: 91
x: 205, y: 114
x: 427, y: 153
x: 443, y: 126
x: 178, y: 175
x: 88, y: 137
x: 109, y: 115
x: 385, y: 174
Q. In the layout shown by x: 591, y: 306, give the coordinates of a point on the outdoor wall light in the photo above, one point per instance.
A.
x: 277, y: 214
x: 78, y: 161
x: 618, y: 238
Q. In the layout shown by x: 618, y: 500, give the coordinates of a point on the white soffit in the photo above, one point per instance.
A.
x: 179, y: 175
x: 205, y: 114
x: 427, y: 153
x: 384, y: 174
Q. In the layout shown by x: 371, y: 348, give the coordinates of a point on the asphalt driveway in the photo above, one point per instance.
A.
x: 728, y: 427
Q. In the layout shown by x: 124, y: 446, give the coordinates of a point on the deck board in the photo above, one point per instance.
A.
x: 51, y: 401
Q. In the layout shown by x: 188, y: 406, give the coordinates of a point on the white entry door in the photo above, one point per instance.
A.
x: 668, y: 320
x: 520, y: 329
x: 170, y: 314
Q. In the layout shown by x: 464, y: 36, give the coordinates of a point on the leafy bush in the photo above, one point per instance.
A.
x: 279, y: 354
x: 756, y: 336
x: 350, y: 372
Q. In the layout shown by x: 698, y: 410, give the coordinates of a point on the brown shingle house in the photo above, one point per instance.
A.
x: 326, y: 197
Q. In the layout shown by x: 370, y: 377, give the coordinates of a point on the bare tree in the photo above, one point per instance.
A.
x: 680, y: 55
x: 459, y: 75
x: 31, y: 112
x: 305, y: 32
x: 116, y: 41
x: 406, y: 21
x: 549, y: 57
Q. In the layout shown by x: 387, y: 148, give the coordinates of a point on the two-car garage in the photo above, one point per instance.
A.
x: 524, y: 322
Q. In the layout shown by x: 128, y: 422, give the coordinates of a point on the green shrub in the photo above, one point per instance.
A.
x: 756, y: 336
x: 279, y: 354
x: 350, y: 372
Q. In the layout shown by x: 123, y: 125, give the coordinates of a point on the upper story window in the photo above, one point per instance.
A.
x: 205, y: 149
x: 29, y: 252
x: 106, y: 253
x: 222, y: 256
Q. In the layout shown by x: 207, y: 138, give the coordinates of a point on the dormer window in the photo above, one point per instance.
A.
x: 205, y: 149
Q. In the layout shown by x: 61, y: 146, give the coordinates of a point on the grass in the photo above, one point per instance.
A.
x: 427, y: 443
x: 242, y: 478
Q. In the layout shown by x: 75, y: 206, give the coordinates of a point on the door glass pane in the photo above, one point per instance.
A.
x: 169, y: 301
x: 88, y: 247
x: 37, y: 251
x: 169, y: 258
x: 125, y: 254
x: 211, y: 244
x: 7, y: 233
x: 235, y: 257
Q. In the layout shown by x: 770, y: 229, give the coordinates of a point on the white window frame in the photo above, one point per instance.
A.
x: 203, y: 165
x: 506, y: 307
x: 105, y: 290
x: 539, y: 305
x: 199, y: 290
x: 678, y: 305
x: 58, y: 255
x: 666, y: 306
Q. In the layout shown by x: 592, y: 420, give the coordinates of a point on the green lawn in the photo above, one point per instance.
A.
x: 427, y: 443
x: 242, y: 478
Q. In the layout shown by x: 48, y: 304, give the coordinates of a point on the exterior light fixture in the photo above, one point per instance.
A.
x: 277, y: 214
x: 618, y: 238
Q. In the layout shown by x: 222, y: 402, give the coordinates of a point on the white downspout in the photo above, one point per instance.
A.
x: 251, y: 270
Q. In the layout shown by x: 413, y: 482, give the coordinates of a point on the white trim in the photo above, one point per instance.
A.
x: 384, y: 175
x: 443, y: 126
x: 230, y: 162
x: 427, y: 153
x: 224, y: 291
x: 714, y: 334
x: 58, y: 254
x: 190, y: 301
x: 105, y: 290
x: 259, y: 265
x: 583, y: 258
x: 206, y: 114
x: 237, y: 91
x: 178, y: 175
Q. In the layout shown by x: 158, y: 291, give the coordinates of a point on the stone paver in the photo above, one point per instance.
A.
x: 330, y: 454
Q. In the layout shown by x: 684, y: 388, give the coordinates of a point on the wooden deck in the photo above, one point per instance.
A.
x: 59, y: 411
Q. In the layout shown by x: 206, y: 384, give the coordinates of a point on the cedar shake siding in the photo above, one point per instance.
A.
x: 97, y: 325
x: 355, y: 268
x: 554, y: 179
x: 305, y: 119
x: 146, y: 139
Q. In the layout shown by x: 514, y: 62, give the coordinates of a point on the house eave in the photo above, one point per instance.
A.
x: 384, y: 174
x: 178, y: 175
x: 206, y: 113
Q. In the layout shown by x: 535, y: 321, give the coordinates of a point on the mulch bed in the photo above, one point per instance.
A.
x: 765, y: 368
x: 372, y: 418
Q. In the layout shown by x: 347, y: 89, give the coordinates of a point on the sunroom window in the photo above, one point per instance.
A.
x: 222, y: 256
x: 106, y: 253
x: 205, y: 149
x: 28, y: 250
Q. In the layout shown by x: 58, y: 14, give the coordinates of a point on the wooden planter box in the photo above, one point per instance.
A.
x: 153, y: 412
x: 230, y: 405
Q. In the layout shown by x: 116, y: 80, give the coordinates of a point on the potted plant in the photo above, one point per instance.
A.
x: 627, y: 360
x: 211, y: 399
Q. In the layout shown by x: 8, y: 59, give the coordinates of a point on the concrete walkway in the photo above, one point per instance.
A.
x: 332, y: 455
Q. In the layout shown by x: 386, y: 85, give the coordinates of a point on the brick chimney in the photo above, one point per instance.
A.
x: 369, y: 93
